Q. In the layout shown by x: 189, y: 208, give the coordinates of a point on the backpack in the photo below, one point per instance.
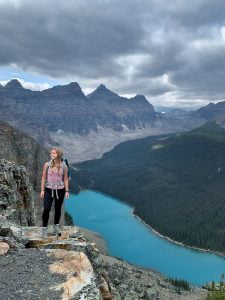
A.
x: 65, y: 162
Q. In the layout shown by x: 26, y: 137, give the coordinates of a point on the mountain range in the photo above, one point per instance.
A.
x: 68, y: 109
x: 92, y: 124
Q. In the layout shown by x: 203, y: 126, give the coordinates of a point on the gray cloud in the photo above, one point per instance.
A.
x: 171, y: 51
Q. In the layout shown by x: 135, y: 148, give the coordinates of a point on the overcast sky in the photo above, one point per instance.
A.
x: 171, y: 51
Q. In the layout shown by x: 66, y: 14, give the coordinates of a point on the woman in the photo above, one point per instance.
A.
x: 54, y: 184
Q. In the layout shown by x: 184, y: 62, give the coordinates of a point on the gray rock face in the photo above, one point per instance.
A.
x: 16, y: 194
x: 23, y: 150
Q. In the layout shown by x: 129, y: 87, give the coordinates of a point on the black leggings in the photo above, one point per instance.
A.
x: 48, y: 199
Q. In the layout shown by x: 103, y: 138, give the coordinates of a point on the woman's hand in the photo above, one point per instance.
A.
x: 42, y: 194
x: 67, y: 195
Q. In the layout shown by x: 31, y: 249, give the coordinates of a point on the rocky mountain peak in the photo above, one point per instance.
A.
x: 139, y: 98
x: 14, y: 84
x: 102, y: 91
x: 68, y: 89
x: 101, y: 87
x: 73, y: 85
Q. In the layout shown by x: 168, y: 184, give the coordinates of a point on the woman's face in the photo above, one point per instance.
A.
x: 53, y: 154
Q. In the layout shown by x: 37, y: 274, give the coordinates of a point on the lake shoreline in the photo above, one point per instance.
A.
x: 156, y: 232
x: 174, y: 241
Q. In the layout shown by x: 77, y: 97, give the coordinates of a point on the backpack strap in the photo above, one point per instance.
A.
x: 48, y: 166
x: 63, y: 166
x: 68, y: 166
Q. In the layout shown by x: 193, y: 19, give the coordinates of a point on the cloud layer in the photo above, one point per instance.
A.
x: 171, y: 51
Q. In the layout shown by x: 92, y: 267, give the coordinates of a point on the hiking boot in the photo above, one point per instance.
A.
x: 44, y: 232
x: 56, y: 230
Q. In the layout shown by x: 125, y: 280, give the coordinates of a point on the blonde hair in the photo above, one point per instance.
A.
x: 59, y: 151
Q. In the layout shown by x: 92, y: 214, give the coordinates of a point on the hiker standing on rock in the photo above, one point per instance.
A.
x: 54, y: 185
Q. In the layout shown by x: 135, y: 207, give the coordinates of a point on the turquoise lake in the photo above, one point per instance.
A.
x: 129, y: 238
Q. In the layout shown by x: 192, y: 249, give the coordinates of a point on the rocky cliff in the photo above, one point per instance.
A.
x: 24, y: 150
x: 72, y: 267
x: 16, y: 195
x: 28, y: 156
